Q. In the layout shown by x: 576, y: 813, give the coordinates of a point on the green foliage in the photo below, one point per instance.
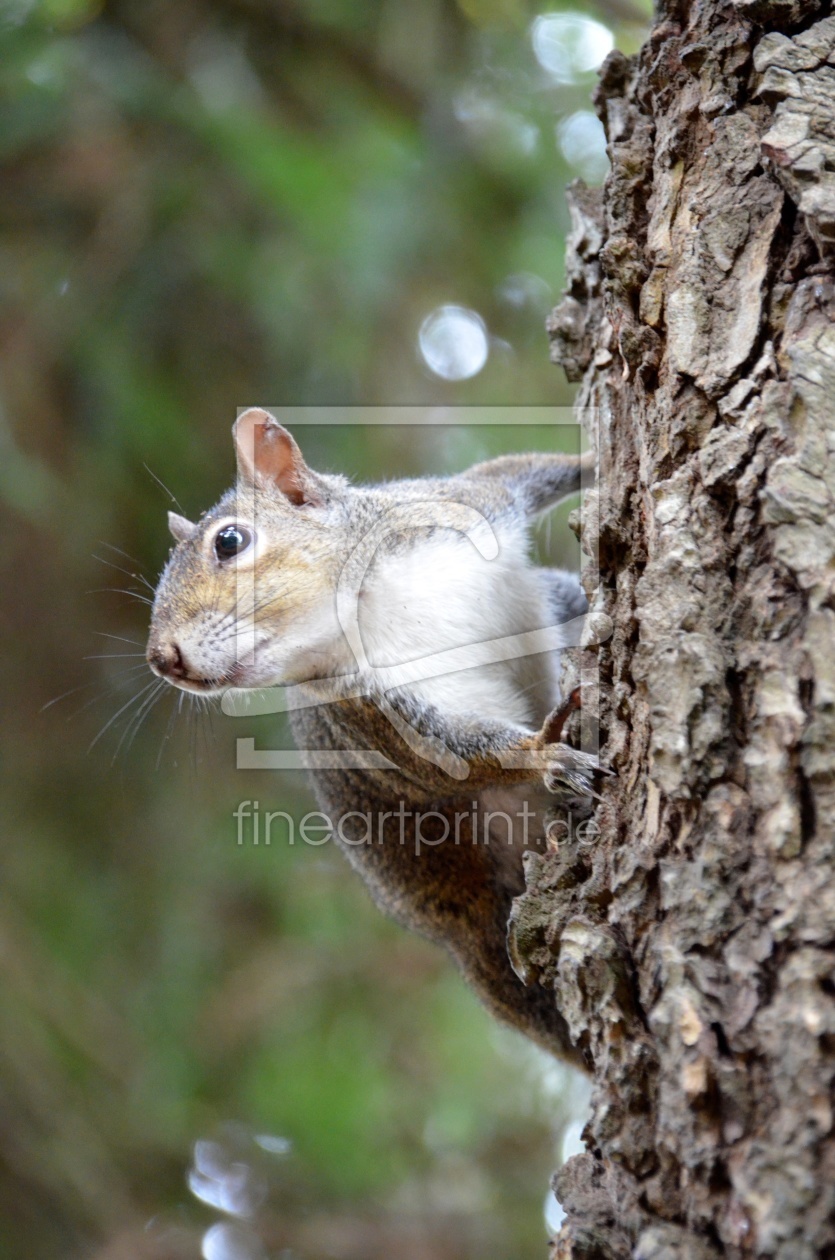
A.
x: 205, y: 206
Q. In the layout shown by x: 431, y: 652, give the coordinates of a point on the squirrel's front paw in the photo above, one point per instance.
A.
x: 571, y: 772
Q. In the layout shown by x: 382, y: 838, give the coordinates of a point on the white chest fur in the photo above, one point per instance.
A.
x: 443, y: 594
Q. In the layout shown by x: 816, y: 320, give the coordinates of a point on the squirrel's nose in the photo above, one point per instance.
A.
x: 166, y: 659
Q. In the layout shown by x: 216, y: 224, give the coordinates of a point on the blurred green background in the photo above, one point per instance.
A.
x: 207, y: 1046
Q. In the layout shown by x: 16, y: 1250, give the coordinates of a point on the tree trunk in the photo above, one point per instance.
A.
x: 692, y: 947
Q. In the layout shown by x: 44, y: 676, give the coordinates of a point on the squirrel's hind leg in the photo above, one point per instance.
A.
x: 444, y: 874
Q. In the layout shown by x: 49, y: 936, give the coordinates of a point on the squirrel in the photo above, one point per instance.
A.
x: 401, y: 618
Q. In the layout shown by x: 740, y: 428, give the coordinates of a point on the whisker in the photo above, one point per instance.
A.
x: 120, y: 552
x: 140, y: 577
x: 201, y: 726
x: 211, y: 710
x: 133, y: 700
x: 121, y: 590
x: 192, y: 739
x: 229, y: 621
x: 72, y: 692
x: 175, y: 712
x: 111, y: 656
x: 163, y: 486
x: 258, y: 606
x: 132, y: 727
x: 130, y: 671
x: 149, y: 695
x: 75, y: 690
x: 118, y: 637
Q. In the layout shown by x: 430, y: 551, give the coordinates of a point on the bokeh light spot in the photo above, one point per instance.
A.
x: 572, y: 1140
x: 454, y: 343
x: 231, y: 1242
x: 554, y: 1214
x: 569, y: 45
x: 582, y: 142
x: 523, y: 289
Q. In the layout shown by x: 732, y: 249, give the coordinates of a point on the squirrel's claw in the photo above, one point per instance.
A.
x: 571, y: 772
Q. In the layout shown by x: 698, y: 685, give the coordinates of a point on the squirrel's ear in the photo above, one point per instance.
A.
x: 181, y: 529
x: 269, y: 455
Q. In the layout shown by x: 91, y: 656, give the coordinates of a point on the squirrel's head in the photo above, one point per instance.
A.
x: 246, y: 599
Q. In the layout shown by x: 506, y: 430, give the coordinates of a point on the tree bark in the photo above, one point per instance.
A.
x: 692, y: 947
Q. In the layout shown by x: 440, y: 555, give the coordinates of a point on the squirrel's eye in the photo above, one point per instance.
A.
x: 231, y: 541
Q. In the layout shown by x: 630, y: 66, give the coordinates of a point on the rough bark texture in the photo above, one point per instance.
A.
x: 692, y: 948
